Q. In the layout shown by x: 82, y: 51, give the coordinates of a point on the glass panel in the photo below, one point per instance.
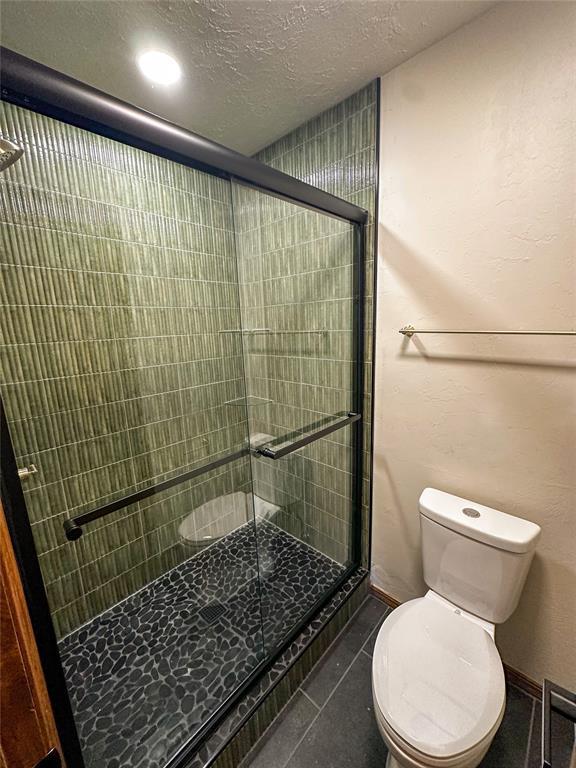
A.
x: 146, y: 673
x: 119, y: 278
x: 296, y: 286
x: 303, y: 505
x: 136, y: 297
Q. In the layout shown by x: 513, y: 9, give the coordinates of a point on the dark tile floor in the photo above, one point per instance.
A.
x: 329, y: 722
x: 144, y: 675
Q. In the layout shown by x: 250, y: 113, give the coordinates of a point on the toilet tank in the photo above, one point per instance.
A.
x: 475, y: 556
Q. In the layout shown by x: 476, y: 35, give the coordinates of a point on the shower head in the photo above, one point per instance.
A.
x: 9, y: 153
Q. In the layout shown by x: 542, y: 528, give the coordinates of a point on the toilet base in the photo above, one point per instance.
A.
x: 398, y: 757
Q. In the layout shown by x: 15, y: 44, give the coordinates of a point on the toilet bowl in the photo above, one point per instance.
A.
x: 437, y: 678
x: 438, y: 685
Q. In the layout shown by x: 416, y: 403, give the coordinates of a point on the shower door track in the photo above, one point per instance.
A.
x: 41, y: 89
x: 34, y: 86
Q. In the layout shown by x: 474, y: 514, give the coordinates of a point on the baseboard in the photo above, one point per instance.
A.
x: 513, y: 676
x: 522, y: 681
x: 384, y: 596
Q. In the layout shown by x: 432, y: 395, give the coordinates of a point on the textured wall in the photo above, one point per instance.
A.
x: 118, y: 272
x: 335, y: 151
x: 477, y: 230
x: 251, y: 70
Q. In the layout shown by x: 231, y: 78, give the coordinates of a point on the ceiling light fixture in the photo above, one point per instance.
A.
x: 159, y: 67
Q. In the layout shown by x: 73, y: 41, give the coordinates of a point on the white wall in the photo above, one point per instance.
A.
x: 478, y: 230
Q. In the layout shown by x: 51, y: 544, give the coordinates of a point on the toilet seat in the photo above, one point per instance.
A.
x: 438, y: 683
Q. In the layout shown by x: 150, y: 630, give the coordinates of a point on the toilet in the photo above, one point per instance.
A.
x: 437, y: 678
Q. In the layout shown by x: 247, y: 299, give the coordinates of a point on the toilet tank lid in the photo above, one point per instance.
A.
x: 490, y: 526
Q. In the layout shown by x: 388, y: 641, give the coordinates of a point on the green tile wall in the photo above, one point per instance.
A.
x: 118, y: 276
x: 295, y: 272
x: 296, y: 280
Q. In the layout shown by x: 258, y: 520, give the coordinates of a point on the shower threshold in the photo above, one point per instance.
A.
x: 144, y: 676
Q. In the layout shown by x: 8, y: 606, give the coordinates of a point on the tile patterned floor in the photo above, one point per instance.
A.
x: 145, y: 674
x: 296, y: 655
x: 329, y: 722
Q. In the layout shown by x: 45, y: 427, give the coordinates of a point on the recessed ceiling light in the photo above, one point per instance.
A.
x: 159, y: 67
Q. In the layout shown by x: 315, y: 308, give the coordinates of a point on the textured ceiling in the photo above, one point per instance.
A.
x: 253, y: 70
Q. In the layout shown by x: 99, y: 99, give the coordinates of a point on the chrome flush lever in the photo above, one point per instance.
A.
x: 25, y: 472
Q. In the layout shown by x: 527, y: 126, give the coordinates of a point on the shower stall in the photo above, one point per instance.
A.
x: 182, y: 382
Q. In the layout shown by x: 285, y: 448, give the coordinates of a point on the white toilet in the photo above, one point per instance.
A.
x: 437, y: 677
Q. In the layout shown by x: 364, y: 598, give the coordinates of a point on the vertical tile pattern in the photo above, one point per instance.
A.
x: 296, y: 274
x: 296, y: 287
x: 118, y: 276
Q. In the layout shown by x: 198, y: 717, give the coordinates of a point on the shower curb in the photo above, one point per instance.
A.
x: 241, y: 729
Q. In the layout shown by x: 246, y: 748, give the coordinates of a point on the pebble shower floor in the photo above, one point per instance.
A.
x: 144, y: 675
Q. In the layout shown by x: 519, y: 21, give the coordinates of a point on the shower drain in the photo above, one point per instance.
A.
x: 212, y: 612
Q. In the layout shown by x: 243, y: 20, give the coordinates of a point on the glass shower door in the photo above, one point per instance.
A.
x: 179, y: 360
x: 125, y: 394
x: 297, y: 288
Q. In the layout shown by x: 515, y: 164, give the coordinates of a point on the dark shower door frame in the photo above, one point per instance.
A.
x: 35, y: 87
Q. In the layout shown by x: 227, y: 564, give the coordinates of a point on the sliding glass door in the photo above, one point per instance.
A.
x: 297, y: 287
x: 120, y: 382
x: 179, y: 374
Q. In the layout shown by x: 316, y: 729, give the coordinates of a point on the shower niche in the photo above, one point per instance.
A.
x: 181, y: 366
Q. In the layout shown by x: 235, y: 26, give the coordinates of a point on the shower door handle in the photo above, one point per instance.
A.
x: 73, y: 526
x: 313, y: 432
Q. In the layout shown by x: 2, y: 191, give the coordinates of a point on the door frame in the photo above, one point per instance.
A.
x: 22, y: 540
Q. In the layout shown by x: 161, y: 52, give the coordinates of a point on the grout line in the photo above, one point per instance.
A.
x: 528, y: 748
x: 160, y: 246
x: 374, y: 629
x: 142, y: 426
x: 342, y: 676
x: 121, y: 273
x: 187, y: 307
x: 523, y: 691
x: 310, y: 699
x: 163, y: 365
x: 318, y: 707
x: 31, y: 143
x: 34, y: 193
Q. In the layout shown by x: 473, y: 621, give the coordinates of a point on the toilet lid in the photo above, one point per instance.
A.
x: 437, y: 678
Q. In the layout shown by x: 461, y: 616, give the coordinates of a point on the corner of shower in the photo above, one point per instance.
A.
x: 189, y: 393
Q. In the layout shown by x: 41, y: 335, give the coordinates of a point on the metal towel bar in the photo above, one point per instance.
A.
x: 409, y: 331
